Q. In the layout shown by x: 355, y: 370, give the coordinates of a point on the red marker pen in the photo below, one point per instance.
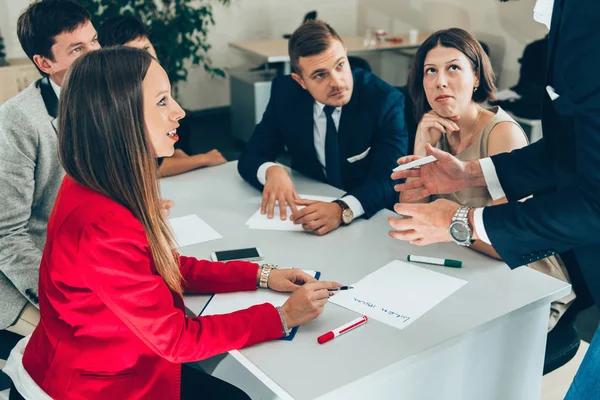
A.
x: 326, y: 337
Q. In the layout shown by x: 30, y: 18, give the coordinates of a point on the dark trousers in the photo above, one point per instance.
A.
x: 194, y: 385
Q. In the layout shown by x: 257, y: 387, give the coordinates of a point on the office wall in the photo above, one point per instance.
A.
x: 242, y: 20
x: 256, y: 20
x: 9, y: 13
x: 505, y: 27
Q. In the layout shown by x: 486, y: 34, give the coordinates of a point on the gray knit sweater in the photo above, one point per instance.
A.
x: 30, y: 176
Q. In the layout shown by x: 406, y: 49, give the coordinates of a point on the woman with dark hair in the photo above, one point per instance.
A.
x: 113, y: 324
x: 450, y: 77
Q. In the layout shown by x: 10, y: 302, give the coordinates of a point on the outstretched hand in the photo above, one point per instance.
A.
x: 446, y: 175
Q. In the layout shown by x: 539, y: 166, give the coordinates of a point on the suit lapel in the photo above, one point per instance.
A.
x: 349, y: 127
x: 50, y: 99
x: 348, y: 124
x: 554, y: 29
x: 548, y: 114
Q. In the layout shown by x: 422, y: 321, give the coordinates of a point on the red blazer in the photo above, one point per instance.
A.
x: 110, y: 327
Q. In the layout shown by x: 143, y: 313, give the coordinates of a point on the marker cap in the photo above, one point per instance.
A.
x: 326, y: 337
x: 453, y: 263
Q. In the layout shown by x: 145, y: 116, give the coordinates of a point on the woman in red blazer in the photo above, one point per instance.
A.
x: 112, y: 316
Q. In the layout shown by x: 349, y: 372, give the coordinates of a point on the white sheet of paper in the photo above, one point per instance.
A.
x: 223, y: 303
x: 260, y: 221
x: 398, y: 293
x: 191, y: 229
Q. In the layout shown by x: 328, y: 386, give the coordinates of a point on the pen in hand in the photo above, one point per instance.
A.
x: 341, y: 288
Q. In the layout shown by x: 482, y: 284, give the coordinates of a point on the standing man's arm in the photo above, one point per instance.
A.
x: 555, y: 222
x: 521, y: 172
x: 570, y: 217
x: 390, y: 142
x: 19, y: 256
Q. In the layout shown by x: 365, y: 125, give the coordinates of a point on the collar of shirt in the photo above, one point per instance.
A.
x: 542, y: 12
x: 318, y: 110
x: 55, y: 87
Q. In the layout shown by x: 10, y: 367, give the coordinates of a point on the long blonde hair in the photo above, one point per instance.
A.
x: 104, y: 145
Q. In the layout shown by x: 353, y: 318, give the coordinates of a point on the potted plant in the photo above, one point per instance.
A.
x: 179, y: 30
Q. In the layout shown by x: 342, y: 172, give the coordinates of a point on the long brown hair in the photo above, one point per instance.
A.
x: 464, y: 42
x: 103, y: 143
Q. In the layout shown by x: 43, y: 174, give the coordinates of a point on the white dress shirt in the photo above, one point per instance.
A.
x: 542, y: 12
x: 320, y: 132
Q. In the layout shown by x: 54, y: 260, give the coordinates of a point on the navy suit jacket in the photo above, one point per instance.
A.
x: 564, y: 165
x: 373, y: 118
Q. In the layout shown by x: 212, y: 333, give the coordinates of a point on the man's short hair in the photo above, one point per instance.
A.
x: 311, y: 38
x: 43, y: 20
x: 117, y: 31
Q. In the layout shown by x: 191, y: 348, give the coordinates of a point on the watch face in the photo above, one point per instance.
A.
x: 460, y: 231
x: 347, y: 216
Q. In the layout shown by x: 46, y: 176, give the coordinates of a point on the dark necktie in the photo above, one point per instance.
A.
x: 332, y: 151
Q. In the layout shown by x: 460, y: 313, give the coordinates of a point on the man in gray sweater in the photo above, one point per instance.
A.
x: 53, y: 34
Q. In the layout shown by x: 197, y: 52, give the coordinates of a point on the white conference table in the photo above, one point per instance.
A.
x: 486, y: 341
x: 275, y: 51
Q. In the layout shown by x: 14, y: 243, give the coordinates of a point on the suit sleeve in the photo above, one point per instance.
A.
x: 202, y: 276
x: 568, y: 217
x: 390, y: 143
x: 525, y: 171
x: 266, y: 142
x: 115, y: 264
x: 19, y: 256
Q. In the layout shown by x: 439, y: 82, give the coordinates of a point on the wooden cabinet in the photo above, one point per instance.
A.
x: 15, y: 77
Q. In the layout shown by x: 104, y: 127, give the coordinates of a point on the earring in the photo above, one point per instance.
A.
x: 475, y: 89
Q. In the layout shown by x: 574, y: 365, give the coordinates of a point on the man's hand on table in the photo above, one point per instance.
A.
x: 317, y: 216
x: 278, y: 188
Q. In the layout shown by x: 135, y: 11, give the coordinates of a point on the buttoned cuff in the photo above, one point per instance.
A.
x: 491, y: 178
x: 479, y: 226
x: 261, y: 174
x: 355, y: 206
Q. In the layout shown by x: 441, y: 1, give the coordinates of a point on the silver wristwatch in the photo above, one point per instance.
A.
x: 460, y: 231
x: 263, y: 281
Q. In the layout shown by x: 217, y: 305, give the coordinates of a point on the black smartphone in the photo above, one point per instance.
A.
x: 249, y: 254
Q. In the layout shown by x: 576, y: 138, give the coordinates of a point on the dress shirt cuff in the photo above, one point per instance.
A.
x: 491, y: 178
x: 479, y: 226
x: 261, y: 174
x: 355, y: 206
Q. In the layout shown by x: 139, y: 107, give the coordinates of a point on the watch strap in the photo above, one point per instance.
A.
x: 265, y: 272
x: 345, y: 207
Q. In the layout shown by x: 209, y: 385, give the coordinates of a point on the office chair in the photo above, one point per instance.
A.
x: 563, y: 341
x: 8, y: 340
x: 358, y: 62
x: 311, y: 15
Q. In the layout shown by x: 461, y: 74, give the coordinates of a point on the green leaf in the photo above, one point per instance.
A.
x: 179, y: 30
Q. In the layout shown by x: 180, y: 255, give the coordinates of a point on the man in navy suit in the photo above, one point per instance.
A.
x: 562, y: 170
x: 341, y: 126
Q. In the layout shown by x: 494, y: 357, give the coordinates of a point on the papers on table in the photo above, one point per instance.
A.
x: 260, y: 221
x: 191, y: 230
x: 398, y: 293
